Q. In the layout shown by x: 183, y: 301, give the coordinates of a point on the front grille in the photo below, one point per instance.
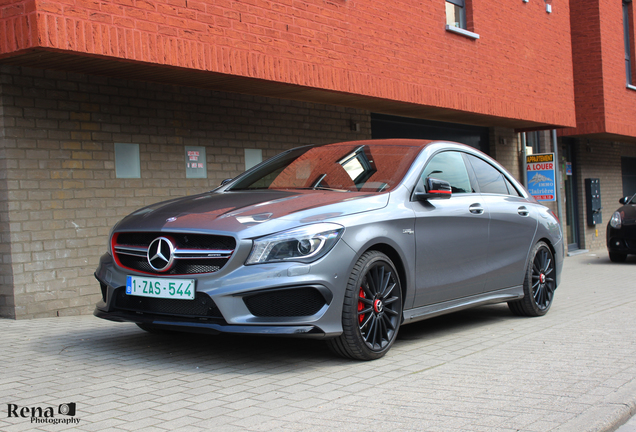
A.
x: 189, y: 241
x: 181, y: 267
x: 201, y: 307
x: 293, y: 302
x: 193, y: 253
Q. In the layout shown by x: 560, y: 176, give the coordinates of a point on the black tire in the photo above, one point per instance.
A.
x: 617, y: 257
x: 372, y: 309
x: 538, y: 285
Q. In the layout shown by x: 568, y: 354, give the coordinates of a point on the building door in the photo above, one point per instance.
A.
x: 571, y: 196
x: 628, y: 170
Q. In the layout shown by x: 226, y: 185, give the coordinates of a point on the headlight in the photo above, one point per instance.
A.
x: 616, y: 221
x: 304, y: 244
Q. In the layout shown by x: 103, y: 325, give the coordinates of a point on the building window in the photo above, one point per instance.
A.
x: 127, y: 161
x: 459, y: 18
x: 456, y: 13
x: 628, y: 44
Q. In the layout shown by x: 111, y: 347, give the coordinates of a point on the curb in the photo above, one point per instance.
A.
x: 617, y: 409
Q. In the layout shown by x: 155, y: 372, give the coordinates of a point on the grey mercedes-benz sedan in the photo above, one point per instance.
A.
x: 343, y: 241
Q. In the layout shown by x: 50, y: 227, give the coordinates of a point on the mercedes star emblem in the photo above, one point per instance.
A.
x: 161, y: 254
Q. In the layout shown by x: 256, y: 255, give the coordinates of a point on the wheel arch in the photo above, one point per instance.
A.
x: 549, y: 243
x: 552, y: 248
x: 395, y: 257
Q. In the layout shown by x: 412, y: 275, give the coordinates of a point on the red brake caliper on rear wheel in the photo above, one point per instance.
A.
x: 361, y: 306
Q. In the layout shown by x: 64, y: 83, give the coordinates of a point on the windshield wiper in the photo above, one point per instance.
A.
x: 317, y: 188
x: 321, y: 177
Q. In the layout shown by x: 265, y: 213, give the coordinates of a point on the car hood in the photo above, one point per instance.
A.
x: 253, y: 213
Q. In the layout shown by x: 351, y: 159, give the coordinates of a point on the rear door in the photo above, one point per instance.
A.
x: 513, y: 224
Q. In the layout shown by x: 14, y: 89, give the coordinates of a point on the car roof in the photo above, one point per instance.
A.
x: 392, y: 141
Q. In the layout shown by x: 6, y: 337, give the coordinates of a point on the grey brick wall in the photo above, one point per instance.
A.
x: 505, y: 147
x: 602, y: 160
x: 6, y: 286
x: 59, y: 195
x: 58, y: 191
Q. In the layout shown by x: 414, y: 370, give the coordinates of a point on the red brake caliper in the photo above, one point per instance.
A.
x: 361, y: 306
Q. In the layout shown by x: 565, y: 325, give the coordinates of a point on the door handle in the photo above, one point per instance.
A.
x: 476, y: 209
x: 523, y: 211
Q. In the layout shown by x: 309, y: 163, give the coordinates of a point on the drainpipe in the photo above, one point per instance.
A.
x: 524, y: 175
x: 557, y: 176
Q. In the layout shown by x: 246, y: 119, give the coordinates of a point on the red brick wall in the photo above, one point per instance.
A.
x: 18, y: 25
x: 519, y: 68
x: 603, y: 101
x: 620, y: 101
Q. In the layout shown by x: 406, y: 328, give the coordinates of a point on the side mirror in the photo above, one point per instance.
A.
x: 435, y: 189
x: 226, y: 181
x: 624, y: 200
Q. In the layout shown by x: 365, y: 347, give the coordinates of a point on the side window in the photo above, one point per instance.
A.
x: 511, y: 189
x: 490, y: 180
x: 449, y: 166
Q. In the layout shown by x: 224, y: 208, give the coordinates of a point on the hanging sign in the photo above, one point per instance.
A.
x: 540, y: 175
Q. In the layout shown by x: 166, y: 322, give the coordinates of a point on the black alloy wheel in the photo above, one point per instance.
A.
x: 372, y: 310
x: 539, y: 283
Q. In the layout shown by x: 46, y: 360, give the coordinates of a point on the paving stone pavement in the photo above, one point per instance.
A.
x: 478, y: 370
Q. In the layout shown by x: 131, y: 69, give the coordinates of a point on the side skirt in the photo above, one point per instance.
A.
x: 430, y: 311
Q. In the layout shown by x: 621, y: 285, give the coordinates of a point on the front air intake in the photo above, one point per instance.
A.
x: 289, y: 302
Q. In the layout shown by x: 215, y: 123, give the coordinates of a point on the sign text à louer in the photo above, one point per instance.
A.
x: 540, y: 176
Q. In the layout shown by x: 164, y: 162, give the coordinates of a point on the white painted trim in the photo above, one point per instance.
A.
x: 462, y: 31
x: 631, y: 87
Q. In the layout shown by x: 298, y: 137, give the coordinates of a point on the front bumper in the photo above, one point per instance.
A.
x: 622, y: 240
x: 230, y: 291
x: 169, y: 323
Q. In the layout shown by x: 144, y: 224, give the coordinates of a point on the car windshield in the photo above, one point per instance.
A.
x: 342, y: 167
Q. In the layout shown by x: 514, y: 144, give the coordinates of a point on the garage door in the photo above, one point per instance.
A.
x: 386, y: 126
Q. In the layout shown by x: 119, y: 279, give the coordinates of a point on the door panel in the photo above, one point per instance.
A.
x: 513, y: 223
x: 512, y: 226
x: 451, y: 243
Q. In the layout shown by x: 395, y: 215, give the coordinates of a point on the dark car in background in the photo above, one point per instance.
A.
x: 621, y: 230
x: 344, y: 242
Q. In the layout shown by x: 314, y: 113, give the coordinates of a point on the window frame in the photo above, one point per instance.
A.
x: 630, y: 58
x: 465, y: 18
